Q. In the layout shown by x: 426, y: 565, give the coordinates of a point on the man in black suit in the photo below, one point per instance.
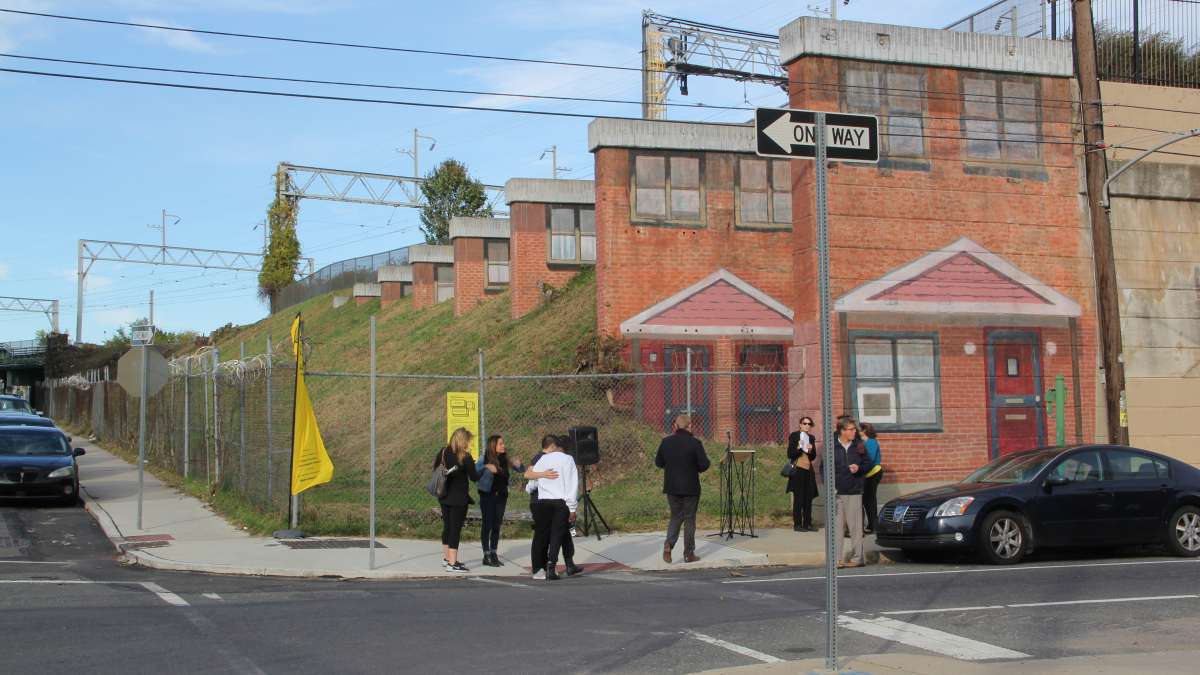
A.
x: 682, y: 459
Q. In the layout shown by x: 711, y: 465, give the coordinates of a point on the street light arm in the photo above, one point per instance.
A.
x: 1177, y: 136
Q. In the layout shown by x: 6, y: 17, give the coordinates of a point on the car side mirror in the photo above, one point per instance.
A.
x: 1056, y: 481
x: 80, y: 451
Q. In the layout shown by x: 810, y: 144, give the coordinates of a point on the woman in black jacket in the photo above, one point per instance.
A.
x: 803, y: 482
x: 456, y: 458
x: 493, y: 494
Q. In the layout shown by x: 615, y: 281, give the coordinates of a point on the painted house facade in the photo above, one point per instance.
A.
x: 694, y: 264
x: 961, y: 267
x: 552, y: 236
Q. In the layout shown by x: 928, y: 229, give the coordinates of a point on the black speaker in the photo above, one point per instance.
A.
x: 584, y: 445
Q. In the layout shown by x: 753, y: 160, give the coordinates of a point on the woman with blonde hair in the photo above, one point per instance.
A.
x: 457, y: 460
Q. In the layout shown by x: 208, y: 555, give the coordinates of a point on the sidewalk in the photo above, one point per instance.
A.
x: 917, y: 664
x: 181, y: 533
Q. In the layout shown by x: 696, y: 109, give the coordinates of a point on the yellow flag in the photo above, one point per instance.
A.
x: 310, y: 461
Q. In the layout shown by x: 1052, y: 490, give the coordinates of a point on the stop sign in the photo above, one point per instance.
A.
x: 129, y: 371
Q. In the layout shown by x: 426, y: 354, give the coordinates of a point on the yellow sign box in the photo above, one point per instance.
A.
x: 462, y: 410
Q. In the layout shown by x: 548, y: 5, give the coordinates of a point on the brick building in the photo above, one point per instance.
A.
x: 432, y: 274
x: 694, y: 253
x: 481, y: 260
x: 961, y: 268
x: 553, y: 236
x: 395, y: 282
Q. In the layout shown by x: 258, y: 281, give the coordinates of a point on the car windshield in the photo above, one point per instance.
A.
x: 1013, y: 468
x: 28, y: 444
x: 14, y: 405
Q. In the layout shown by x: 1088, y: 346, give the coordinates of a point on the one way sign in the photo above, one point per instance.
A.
x: 792, y: 133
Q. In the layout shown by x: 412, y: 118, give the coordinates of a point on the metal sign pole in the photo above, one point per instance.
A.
x: 142, y: 433
x: 832, y: 532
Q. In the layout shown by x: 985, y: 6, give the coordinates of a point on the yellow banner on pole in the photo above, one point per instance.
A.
x: 310, y: 461
x: 462, y: 410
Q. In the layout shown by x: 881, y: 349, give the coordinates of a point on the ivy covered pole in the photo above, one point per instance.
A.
x: 282, y: 253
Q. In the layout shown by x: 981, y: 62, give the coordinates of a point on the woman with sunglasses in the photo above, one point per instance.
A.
x: 802, y: 483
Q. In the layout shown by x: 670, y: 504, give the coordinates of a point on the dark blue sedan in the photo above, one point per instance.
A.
x: 38, y: 463
x: 1084, y: 495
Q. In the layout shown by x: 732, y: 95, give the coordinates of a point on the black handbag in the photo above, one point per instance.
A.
x: 788, y: 469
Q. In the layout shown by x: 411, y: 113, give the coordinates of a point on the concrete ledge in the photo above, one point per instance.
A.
x: 549, y: 191
x: 364, y: 289
x: 339, y: 300
x: 812, y: 36
x: 391, y: 273
x: 659, y: 135
x: 483, y: 228
x: 426, y: 253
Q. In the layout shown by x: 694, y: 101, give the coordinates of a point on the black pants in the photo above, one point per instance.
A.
x: 802, y: 498
x: 491, y: 507
x: 568, y: 544
x: 870, y: 503
x: 550, y: 522
x: 683, y: 512
x: 453, y: 518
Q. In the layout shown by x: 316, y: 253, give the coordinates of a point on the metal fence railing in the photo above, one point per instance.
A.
x: 341, y: 274
x: 1147, y: 41
x: 227, y: 425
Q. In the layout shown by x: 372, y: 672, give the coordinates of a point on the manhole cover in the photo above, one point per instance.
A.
x: 328, y: 543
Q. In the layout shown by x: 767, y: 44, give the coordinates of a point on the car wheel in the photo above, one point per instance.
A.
x: 1183, y: 535
x: 1003, y: 538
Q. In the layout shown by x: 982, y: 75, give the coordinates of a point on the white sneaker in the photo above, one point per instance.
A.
x: 449, y: 567
x: 539, y: 575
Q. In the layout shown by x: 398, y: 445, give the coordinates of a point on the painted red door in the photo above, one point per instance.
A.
x: 1014, y: 385
x: 761, y: 414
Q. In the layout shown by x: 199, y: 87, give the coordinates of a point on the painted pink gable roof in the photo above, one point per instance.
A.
x: 720, y: 304
x: 961, y: 278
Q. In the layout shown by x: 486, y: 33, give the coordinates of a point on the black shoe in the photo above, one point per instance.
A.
x: 488, y: 560
x: 496, y: 561
x: 551, y: 575
x: 798, y: 528
x: 573, y: 569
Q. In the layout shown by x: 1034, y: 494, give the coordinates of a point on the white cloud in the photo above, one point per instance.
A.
x: 187, y: 42
x: 108, y: 319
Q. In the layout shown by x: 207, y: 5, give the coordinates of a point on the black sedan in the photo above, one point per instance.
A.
x: 1084, y: 495
x: 38, y: 463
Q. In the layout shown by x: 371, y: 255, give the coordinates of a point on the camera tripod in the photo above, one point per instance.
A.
x: 590, y: 517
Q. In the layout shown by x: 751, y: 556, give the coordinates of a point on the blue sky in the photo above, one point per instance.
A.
x: 99, y: 161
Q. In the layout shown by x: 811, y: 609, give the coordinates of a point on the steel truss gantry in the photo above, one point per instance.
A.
x: 362, y: 187
x: 47, y: 307
x: 674, y: 48
x: 92, y: 251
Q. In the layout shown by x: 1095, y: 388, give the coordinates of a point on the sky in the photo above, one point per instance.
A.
x: 92, y: 160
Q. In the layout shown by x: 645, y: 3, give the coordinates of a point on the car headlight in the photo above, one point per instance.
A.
x: 64, y: 472
x: 953, y: 507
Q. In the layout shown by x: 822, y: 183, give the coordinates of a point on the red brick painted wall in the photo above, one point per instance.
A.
x: 424, y: 291
x: 881, y: 219
x: 529, y: 252
x: 641, y: 264
x: 469, y: 274
x: 393, y: 291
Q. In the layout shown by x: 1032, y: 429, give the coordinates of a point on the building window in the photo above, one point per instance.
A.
x: 572, y: 234
x: 898, y: 98
x: 765, y: 193
x: 495, y: 253
x: 667, y: 188
x: 895, y: 382
x: 444, y: 281
x: 1000, y: 119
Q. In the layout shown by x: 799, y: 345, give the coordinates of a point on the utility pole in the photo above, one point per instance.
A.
x: 1083, y: 40
x: 163, y: 227
x: 555, y: 168
x: 151, y: 306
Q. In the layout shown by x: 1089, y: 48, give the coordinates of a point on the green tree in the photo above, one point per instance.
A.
x: 449, y: 191
x: 283, y: 250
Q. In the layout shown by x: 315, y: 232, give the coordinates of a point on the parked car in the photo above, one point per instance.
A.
x: 38, y: 463
x: 15, y: 419
x: 1084, y: 495
x: 10, y: 403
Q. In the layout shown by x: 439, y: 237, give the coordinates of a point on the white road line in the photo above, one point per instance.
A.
x: 32, y: 562
x: 511, y: 584
x: 936, y: 641
x: 979, y: 570
x: 165, y: 595
x: 212, y: 596
x: 943, y: 609
x: 744, y: 651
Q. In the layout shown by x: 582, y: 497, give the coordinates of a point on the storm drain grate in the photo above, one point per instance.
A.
x: 328, y: 543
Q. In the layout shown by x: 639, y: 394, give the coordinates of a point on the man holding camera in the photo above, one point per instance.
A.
x: 682, y: 459
x: 554, y: 510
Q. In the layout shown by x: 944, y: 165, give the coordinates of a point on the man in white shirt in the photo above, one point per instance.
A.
x: 555, y: 508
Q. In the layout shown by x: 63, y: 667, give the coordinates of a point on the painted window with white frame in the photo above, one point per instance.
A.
x: 895, y: 380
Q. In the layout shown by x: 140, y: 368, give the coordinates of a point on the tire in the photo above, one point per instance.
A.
x: 1003, y: 538
x: 1183, y: 532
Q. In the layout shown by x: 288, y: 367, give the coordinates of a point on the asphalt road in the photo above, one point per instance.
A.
x: 67, y: 605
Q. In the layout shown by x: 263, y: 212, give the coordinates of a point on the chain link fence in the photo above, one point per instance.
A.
x: 226, y: 427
